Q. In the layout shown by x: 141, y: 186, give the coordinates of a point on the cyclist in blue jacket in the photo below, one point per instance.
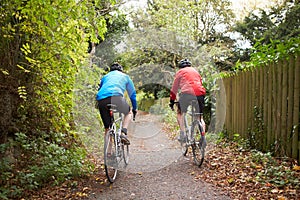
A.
x: 111, y: 91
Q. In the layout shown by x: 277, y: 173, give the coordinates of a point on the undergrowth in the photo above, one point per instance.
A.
x: 31, y: 163
x: 280, y: 172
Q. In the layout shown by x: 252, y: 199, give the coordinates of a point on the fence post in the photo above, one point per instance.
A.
x: 275, y: 99
x: 296, y: 123
x: 279, y: 106
x: 290, y: 101
x: 269, y: 107
x: 283, y: 119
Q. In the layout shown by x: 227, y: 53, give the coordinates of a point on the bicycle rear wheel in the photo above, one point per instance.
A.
x: 199, y: 143
x: 110, y: 156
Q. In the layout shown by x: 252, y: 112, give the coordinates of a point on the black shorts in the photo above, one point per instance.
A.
x: 122, y: 106
x: 186, y: 99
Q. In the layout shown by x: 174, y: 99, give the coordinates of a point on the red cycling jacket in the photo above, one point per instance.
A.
x: 189, y: 81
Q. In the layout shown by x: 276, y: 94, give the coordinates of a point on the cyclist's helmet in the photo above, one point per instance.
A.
x: 184, y: 63
x: 116, y: 66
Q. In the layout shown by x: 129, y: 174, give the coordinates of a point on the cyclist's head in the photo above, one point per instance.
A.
x: 184, y: 63
x: 116, y: 66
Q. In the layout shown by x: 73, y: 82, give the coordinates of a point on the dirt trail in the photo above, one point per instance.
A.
x: 156, y: 169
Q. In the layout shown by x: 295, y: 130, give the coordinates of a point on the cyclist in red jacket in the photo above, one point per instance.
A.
x: 189, y: 82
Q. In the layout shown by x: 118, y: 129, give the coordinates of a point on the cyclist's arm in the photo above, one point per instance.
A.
x: 174, y: 88
x: 101, y: 82
x: 131, y: 93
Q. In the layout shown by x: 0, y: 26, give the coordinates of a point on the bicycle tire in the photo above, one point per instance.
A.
x: 184, y: 145
x: 125, y: 150
x: 110, y: 159
x: 198, y: 145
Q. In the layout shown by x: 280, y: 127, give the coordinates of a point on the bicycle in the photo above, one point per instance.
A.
x: 114, y: 149
x: 193, y: 134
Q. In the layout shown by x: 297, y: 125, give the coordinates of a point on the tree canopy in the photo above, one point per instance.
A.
x: 272, y: 29
x: 277, y: 23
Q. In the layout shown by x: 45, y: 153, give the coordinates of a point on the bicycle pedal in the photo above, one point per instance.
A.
x: 125, y: 140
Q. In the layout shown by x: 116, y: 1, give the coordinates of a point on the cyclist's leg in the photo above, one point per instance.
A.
x: 183, y: 105
x: 106, y: 119
x: 201, y: 108
x: 104, y: 112
x: 124, y: 108
x: 182, y: 108
x: 180, y: 119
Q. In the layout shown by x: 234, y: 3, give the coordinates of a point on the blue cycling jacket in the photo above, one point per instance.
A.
x: 114, y: 84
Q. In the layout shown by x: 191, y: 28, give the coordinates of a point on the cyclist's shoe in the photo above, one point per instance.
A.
x: 181, y: 137
x: 124, y: 130
x: 125, y: 140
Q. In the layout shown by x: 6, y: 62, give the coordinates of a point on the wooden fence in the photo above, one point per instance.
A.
x: 262, y: 105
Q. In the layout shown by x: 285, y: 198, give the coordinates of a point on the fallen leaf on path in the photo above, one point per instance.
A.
x: 230, y: 181
x: 296, y: 168
x: 282, y: 198
x: 268, y: 184
x: 275, y: 191
x: 81, y: 194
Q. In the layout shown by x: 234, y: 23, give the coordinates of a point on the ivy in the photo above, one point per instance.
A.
x: 54, y: 38
x: 272, y: 52
x: 44, y: 46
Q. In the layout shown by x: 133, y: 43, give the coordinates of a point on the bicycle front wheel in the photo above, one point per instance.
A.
x: 199, y: 143
x: 110, y: 156
x: 125, y: 149
x: 184, y: 145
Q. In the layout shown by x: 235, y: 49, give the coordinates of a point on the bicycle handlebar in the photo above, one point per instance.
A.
x: 171, y: 105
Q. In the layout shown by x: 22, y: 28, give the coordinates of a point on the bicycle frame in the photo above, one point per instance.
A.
x: 194, y: 117
x: 193, y: 129
x: 115, y: 121
x: 113, y: 137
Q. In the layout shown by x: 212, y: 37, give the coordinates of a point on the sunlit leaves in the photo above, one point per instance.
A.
x: 199, y: 20
x: 22, y: 92
x: 272, y: 52
x: 54, y: 43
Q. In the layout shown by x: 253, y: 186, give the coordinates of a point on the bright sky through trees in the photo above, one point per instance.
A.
x: 241, y: 7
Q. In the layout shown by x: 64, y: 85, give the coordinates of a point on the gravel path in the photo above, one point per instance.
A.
x: 156, y: 169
